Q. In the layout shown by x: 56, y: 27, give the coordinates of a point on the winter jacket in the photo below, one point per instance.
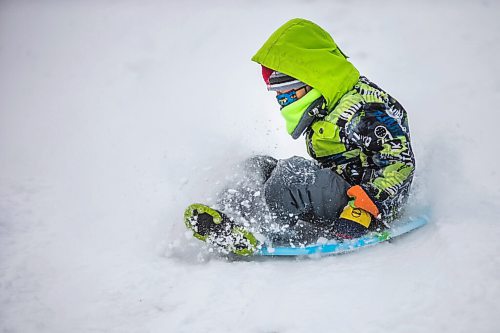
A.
x: 351, y: 125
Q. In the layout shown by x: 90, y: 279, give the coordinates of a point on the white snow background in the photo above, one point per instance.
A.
x: 115, y: 115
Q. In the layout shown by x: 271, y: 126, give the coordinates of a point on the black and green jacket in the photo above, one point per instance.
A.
x: 351, y: 125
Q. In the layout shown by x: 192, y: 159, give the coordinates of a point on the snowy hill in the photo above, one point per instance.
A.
x: 116, y: 115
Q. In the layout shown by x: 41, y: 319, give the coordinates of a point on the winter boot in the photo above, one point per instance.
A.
x: 216, y: 228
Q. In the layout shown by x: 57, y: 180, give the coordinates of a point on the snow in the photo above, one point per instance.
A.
x: 114, y: 116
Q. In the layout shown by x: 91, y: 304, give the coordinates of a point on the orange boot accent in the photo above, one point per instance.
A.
x: 362, y: 200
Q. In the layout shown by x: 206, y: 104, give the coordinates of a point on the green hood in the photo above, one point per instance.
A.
x: 305, y: 51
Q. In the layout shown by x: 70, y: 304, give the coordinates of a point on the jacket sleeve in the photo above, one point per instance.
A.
x: 386, y: 155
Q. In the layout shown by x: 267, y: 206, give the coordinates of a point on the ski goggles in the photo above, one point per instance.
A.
x: 287, y: 98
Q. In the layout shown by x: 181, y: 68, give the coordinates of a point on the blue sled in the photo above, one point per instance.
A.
x: 336, y: 247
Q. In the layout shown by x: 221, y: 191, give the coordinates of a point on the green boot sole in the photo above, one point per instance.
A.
x: 215, y: 228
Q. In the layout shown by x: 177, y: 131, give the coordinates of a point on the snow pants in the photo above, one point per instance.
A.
x: 299, y: 189
x: 283, y: 194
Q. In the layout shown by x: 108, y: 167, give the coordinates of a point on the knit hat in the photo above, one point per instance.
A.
x: 277, y: 81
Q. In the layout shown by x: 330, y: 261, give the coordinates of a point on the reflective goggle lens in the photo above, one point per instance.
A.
x: 287, y: 98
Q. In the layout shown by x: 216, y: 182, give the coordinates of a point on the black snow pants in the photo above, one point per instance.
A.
x: 293, y: 196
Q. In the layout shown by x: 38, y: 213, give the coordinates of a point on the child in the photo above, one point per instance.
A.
x: 356, y: 132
